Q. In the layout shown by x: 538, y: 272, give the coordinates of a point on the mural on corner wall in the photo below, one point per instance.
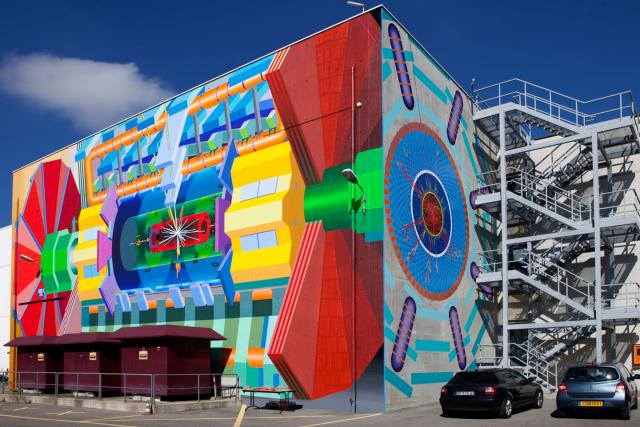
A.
x: 225, y: 207
x: 432, y: 306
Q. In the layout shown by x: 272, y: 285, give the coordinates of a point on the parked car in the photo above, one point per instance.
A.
x: 598, y: 387
x: 495, y: 390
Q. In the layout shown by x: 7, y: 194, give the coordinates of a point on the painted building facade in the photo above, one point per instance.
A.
x: 228, y: 206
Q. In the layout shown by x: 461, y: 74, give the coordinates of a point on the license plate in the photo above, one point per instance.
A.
x: 591, y: 403
x: 465, y: 393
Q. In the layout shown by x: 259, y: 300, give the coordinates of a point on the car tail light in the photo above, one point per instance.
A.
x: 444, y: 391
x: 562, y: 388
x: 620, y: 387
x: 490, y: 391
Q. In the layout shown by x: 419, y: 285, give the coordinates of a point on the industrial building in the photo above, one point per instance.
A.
x: 355, y: 224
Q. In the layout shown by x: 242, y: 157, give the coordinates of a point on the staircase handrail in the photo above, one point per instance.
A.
x: 626, y: 300
x: 578, y: 112
x: 629, y: 203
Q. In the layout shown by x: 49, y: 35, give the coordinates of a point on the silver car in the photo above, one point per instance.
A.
x: 598, y: 387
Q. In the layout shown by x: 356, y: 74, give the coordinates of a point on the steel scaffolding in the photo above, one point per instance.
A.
x: 551, y: 152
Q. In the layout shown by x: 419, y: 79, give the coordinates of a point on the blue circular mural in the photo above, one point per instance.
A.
x: 426, y: 211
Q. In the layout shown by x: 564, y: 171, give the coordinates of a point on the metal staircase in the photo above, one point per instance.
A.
x: 548, y: 145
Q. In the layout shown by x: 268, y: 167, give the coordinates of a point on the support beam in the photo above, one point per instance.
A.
x: 597, y: 254
x: 551, y: 325
x: 256, y: 110
x: 548, y: 236
x: 196, y: 129
x: 505, y: 233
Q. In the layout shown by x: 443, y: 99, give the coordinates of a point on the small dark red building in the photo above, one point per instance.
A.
x: 38, y: 359
x: 179, y: 356
x: 87, y: 355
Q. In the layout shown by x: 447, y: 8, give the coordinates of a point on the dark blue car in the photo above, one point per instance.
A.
x: 598, y: 387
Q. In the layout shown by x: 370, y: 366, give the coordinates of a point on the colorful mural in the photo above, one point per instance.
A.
x: 433, y: 311
x: 225, y: 207
x: 310, y: 206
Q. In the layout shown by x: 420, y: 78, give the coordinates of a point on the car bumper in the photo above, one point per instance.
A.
x: 564, y: 402
x: 477, y: 404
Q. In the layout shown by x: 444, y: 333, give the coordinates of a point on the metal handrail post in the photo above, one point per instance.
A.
x: 99, y: 385
x: 198, y: 377
x: 38, y: 381
x: 77, y: 382
x: 56, y: 383
x: 124, y: 386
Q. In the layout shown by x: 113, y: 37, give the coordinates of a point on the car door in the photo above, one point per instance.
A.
x: 529, y: 388
x: 519, y: 386
x: 633, y: 387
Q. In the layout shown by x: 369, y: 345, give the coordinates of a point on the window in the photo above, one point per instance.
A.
x: 258, y: 189
x: 268, y: 186
x: 592, y: 374
x: 474, y: 378
x: 263, y: 240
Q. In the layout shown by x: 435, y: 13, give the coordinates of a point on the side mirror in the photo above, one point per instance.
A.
x: 636, y: 377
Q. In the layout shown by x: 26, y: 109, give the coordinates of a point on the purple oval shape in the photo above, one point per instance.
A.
x: 456, y: 332
x: 454, y: 118
x: 401, y: 66
x: 405, y: 326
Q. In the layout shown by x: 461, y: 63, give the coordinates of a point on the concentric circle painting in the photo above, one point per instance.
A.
x: 426, y: 212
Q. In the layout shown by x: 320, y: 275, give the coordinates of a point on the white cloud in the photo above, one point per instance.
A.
x: 92, y: 94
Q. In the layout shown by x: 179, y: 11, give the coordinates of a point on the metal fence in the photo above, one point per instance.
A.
x: 124, y: 385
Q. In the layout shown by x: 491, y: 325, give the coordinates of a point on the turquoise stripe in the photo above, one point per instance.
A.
x: 464, y: 123
x: 422, y: 77
x: 472, y: 316
x: 388, y: 316
x: 386, y: 70
x: 472, y: 366
x: 469, y: 152
x: 452, y: 355
x: 430, y: 377
x: 466, y: 341
x: 391, y: 336
x: 432, y: 345
x: 428, y: 313
x: 426, y: 54
x: 446, y: 90
x: 476, y: 344
x: 400, y: 384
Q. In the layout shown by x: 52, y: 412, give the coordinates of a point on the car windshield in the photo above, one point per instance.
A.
x: 592, y: 374
x: 474, y: 378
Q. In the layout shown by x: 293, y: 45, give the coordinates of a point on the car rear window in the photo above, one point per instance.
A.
x: 474, y: 378
x: 592, y: 374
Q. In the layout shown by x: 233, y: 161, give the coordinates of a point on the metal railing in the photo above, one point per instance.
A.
x: 124, y: 385
x: 538, y: 191
x: 555, y: 104
x: 522, y: 358
x: 562, y: 281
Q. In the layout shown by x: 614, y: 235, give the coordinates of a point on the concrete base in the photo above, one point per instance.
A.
x: 118, y: 404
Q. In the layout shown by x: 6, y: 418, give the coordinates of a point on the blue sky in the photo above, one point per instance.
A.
x: 139, y: 52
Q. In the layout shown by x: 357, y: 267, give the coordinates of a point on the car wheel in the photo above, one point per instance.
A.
x: 447, y: 413
x: 626, y: 413
x: 506, y: 408
x: 539, y: 400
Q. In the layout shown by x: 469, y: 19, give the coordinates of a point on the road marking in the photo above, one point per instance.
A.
x: 19, y: 409
x: 117, y: 417
x: 152, y: 419
x: 241, y: 412
x: 64, y: 413
x: 344, y: 420
x: 24, y: 417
